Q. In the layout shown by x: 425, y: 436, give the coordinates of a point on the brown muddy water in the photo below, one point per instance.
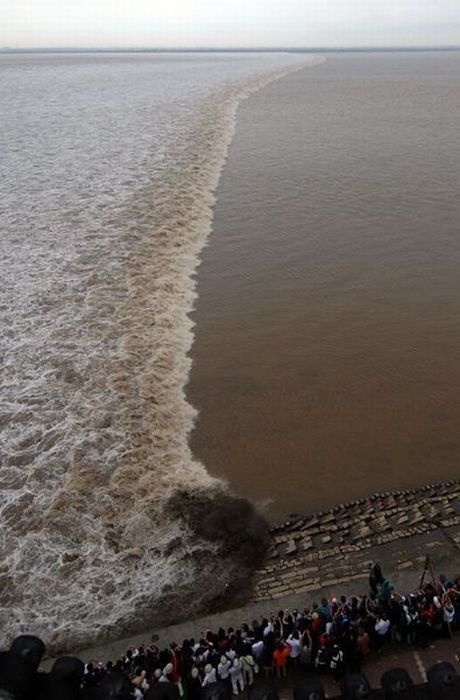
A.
x: 326, y: 362
x: 108, y: 168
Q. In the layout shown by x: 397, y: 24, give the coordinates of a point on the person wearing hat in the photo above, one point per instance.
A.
x: 209, y: 675
x: 194, y: 684
x: 249, y: 667
x: 223, y: 668
x: 236, y: 674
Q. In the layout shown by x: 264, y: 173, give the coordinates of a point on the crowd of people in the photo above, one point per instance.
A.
x: 331, y: 636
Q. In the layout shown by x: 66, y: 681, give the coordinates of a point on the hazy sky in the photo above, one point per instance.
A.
x: 228, y: 23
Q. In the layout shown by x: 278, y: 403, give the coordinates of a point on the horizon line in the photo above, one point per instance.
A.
x: 228, y: 49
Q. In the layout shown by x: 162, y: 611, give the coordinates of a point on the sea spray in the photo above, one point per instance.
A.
x: 101, y: 528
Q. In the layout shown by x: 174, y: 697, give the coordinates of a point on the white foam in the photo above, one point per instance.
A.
x: 95, y: 423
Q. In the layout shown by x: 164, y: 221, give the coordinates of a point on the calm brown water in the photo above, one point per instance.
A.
x: 327, y: 350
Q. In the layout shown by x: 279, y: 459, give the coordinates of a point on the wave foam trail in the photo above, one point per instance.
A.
x: 108, y: 522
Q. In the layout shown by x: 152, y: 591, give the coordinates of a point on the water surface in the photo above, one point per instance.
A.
x: 327, y: 350
x: 107, y: 171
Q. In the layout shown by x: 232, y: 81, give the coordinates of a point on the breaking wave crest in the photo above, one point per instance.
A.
x: 108, y: 522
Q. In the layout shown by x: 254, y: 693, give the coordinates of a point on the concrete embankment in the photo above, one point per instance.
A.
x: 328, y: 549
x: 329, y: 553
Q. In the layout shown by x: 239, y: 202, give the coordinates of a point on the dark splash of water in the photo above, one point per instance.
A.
x: 227, y: 522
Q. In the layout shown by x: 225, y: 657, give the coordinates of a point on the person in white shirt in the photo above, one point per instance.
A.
x: 236, y: 674
x: 258, y: 650
x: 449, y: 613
x: 164, y: 678
x: 294, y: 642
x: 223, y: 668
x: 210, y: 675
x: 382, y: 625
x: 249, y: 667
x: 268, y: 628
x: 382, y: 628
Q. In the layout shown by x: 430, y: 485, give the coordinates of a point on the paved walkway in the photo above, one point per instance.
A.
x: 415, y: 661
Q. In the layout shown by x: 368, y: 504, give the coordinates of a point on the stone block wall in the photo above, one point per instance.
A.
x: 338, y: 545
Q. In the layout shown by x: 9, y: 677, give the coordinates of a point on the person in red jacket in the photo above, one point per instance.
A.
x: 280, y: 658
x: 175, y: 673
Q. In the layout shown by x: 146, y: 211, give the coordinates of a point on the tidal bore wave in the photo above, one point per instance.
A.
x: 108, y: 522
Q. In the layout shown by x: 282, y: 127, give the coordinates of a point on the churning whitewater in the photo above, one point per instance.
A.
x: 108, y: 172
